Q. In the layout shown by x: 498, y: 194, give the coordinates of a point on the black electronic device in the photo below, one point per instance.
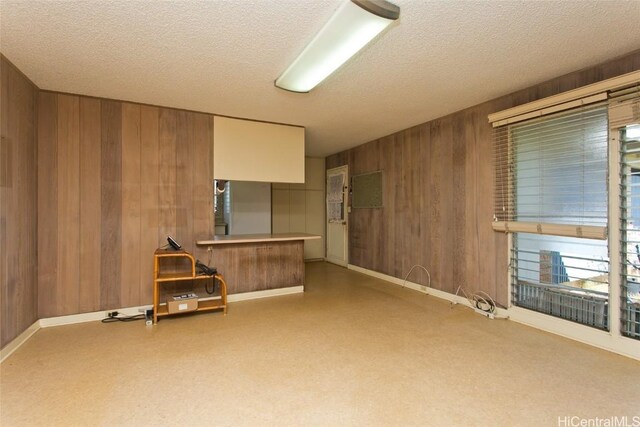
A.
x: 205, y: 269
x: 175, y: 245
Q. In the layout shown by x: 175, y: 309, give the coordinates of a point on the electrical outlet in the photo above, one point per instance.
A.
x: 148, y: 316
x: 112, y: 313
x: 484, y: 313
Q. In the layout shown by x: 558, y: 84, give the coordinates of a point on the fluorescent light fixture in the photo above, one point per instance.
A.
x: 355, y: 23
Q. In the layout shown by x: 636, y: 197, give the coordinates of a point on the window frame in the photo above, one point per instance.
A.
x: 611, y: 340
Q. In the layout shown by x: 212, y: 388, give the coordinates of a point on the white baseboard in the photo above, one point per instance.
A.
x: 577, y: 332
x: 456, y: 299
x: 88, y: 317
x: 130, y: 311
x: 584, y: 334
x: 265, y: 294
x: 8, y: 349
x: 48, y: 322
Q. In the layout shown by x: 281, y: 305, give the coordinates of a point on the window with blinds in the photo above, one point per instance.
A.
x: 563, y: 164
x: 551, y: 191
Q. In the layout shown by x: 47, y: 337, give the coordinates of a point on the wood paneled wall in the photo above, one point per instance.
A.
x: 18, y: 203
x: 437, y: 194
x: 115, y: 179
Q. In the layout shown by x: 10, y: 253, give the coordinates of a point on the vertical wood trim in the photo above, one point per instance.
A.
x: 131, y: 227
x: 90, y: 204
x: 167, y: 174
x: 387, y: 156
x: 448, y: 237
x: 202, y: 206
x: 149, y: 197
x: 473, y: 193
x: 184, y: 179
x: 458, y: 206
x: 47, y: 204
x: 111, y: 204
x: 416, y: 205
x: 425, y: 198
x: 6, y: 166
x: 435, y: 209
x: 396, y: 191
x: 68, y: 203
x: 26, y: 196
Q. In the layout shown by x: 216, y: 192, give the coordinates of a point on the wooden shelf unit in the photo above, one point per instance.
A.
x: 159, y: 277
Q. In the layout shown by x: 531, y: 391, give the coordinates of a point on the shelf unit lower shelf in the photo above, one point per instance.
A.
x: 203, y: 305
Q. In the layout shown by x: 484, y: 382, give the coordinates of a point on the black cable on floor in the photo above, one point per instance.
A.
x: 124, y: 318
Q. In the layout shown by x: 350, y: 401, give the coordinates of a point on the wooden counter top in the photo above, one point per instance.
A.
x: 256, y: 238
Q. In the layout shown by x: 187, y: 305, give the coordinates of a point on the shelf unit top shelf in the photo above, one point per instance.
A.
x: 179, y: 276
x: 172, y: 253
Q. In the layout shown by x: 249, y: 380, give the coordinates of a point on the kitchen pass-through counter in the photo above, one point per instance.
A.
x: 260, y: 262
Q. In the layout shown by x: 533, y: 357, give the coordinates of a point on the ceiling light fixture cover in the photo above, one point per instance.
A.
x: 351, y: 27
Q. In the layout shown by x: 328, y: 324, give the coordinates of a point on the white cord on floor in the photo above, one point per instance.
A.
x: 478, y: 300
x: 425, y: 270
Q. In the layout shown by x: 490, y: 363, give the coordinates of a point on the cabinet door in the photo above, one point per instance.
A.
x: 280, y: 211
x: 297, y: 209
x: 314, y: 249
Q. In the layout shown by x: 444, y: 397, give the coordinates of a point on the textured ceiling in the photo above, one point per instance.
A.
x: 222, y: 56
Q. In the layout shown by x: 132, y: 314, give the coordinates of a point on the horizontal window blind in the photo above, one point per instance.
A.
x: 551, y: 174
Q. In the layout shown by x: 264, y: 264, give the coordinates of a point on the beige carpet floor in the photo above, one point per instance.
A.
x: 351, y: 351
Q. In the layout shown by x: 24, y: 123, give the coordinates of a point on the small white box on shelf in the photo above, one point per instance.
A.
x: 182, y: 303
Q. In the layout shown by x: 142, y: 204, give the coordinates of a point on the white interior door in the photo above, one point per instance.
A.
x: 337, y: 226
